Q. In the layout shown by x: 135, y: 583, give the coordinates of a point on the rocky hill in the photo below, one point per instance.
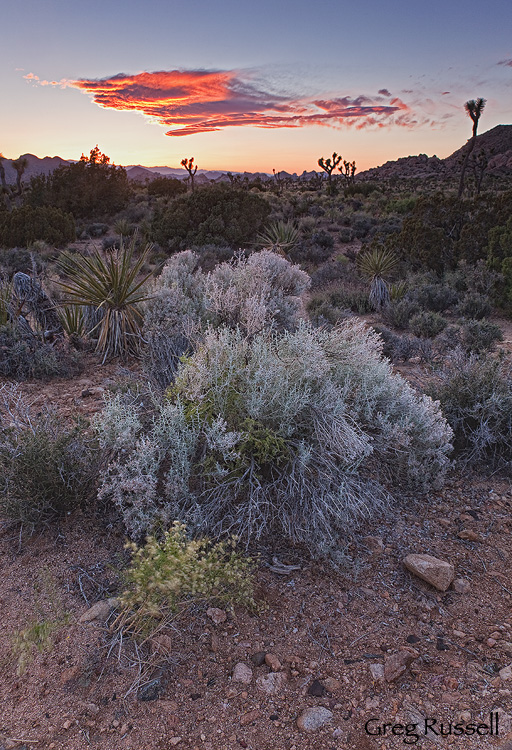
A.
x: 495, y: 143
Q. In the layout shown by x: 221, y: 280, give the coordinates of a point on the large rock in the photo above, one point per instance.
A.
x: 313, y: 718
x: 438, y: 573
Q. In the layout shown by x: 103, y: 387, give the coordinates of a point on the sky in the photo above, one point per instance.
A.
x: 255, y: 86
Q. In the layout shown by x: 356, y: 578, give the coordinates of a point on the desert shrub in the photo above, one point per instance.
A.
x: 479, y: 336
x: 285, y: 434
x: 261, y: 291
x: 323, y: 239
x: 96, y: 230
x: 475, y: 306
x: 427, y: 324
x: 168, y: 573
x: 429, y: 295
x: 399, y: 312
x: 216, y: 215
x: 25, y: 355
x: 23, y: 225
x: 91, y: 187
x: 168, y: 187
x: 321, y: 311
x: 17, y: 259
x: 47, y: 469
x: 336, y: 269
x: 400, y: 348
x: 210, y: 256
x: 476, y: 397
x: 361, y: 188
x: 361, y: 224
x: 345, y: 235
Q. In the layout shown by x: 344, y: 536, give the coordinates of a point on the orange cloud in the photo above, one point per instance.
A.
x: 198, y: 101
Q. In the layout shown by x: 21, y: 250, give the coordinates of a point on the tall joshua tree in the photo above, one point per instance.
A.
x: 474, y: 109
x: 191, y: 169
x: 329, y: 165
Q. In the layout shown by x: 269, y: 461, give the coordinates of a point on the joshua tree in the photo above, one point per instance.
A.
x: 191, y: 169
x: 329, y: 166
x: 348, y: 171
x: 474, y: 108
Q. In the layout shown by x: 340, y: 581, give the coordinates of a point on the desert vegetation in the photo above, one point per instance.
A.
x: 300, y: 358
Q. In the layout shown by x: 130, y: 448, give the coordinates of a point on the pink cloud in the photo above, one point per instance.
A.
x: 199, y: 101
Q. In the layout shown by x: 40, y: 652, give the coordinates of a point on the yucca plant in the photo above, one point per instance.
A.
x: 377, y: 263
x: 73, y: 320
x: 280, y: 237
x: 123, y: 228
x: 110, y: 286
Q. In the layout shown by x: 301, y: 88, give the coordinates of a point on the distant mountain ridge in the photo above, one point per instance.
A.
x: 496, y: 143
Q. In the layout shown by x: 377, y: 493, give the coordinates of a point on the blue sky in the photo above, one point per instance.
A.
x: 297, y: 80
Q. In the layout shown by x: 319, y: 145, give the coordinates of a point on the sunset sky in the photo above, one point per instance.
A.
x: 255, y: 86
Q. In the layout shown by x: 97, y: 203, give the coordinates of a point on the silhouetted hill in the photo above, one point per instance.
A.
x: 495, y: 143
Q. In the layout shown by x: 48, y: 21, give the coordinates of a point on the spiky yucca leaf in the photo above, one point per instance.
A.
x: 281, y: 236
x: 377, y: 262
x: 72, y: 319
x: 110, y: 286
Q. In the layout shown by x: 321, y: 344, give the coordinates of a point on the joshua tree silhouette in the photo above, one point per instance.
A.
x: 474, y: 109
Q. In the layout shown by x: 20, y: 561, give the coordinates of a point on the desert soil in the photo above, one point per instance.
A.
x: 326, y: 634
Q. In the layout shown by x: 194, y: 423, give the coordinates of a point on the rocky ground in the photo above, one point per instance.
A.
x: 331, y: 651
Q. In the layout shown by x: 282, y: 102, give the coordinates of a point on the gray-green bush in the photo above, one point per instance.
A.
x: 476, y: 397
x: 292, y: 434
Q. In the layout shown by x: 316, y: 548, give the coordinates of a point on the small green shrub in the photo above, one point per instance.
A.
x: 23, y: 225
x: 480, y: 336
x: 167, y: 574
x: 47, y: 469
x: 475, y: 306
x: 476, y: 399
x: 427, y: 324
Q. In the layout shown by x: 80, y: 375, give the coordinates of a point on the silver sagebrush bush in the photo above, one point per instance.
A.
x: 254, y: 293
x: 294, y: 433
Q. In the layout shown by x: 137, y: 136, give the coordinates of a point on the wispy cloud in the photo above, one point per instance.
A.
x: 508, y: 63
x: 43, y: 82
x: 199, y: 101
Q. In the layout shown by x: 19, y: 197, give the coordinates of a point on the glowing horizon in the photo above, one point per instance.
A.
x: 222, y: 82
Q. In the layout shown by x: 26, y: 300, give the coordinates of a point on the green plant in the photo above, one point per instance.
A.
x: 476, y: 397
x: 216, y: 215
x: 24, y: 225
x: 123, y: 228
x: 475, y: 306
x: 280, y: 237
x: 111, y: 286
x: 274, y: 435
x: 427, y: 324
x: 375, y: 264
x: 169, y: 573
x: 47, y: 468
